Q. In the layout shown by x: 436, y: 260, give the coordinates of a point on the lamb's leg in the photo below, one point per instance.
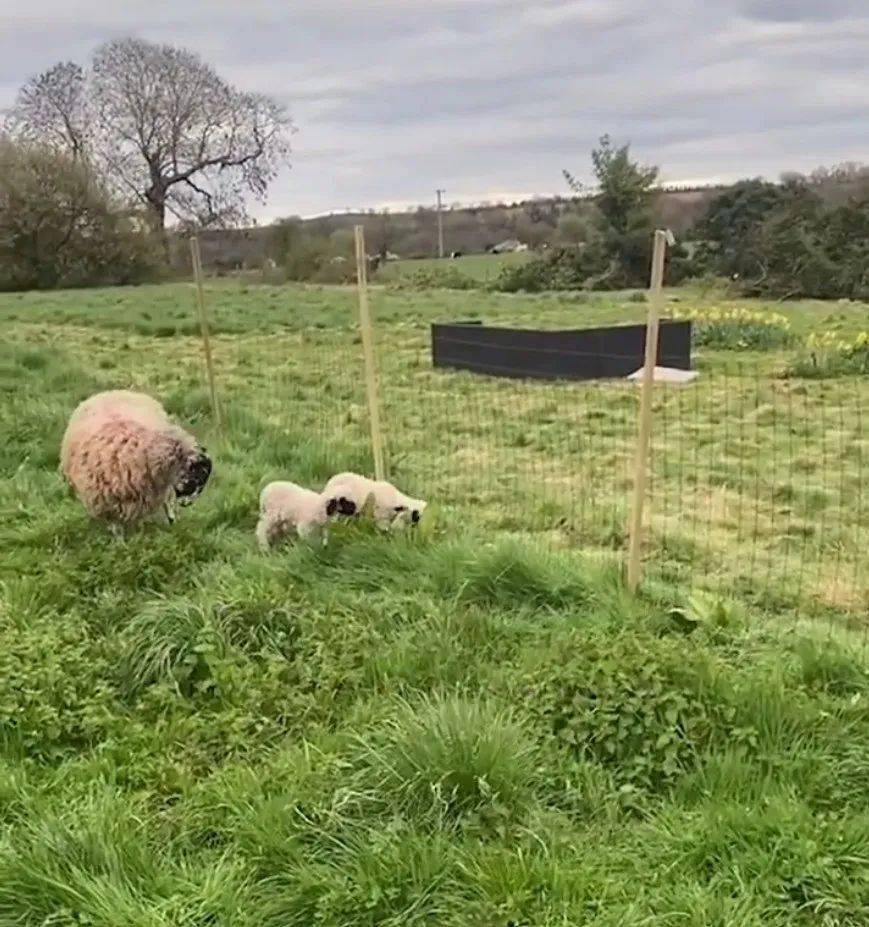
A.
x: 266, y: 533
x: 312, y: 534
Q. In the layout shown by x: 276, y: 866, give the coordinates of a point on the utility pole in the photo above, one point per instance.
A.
x: 440, y: 224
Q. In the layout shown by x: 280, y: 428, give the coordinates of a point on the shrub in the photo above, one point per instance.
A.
x: 436, y: 279
x: 59, y: 227
x: 609, y: 262
x: 738, y: 329
x: 306, y: 256
x: 783, y: 240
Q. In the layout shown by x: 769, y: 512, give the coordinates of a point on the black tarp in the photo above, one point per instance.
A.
x: 576, y: 354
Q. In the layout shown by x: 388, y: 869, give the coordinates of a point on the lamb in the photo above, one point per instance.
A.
x: 126, y: 460
x: 286, y: 507
x: 391, y: 507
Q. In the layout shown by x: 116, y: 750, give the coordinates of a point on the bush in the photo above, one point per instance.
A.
x: 608, y: 262
x: 310, y: 257
x: 60, y: 228
x: 785, y: 241
x: 436, y: 279
x: 733, y: 219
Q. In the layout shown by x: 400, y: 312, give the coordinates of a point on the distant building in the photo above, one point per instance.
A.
x: 511, y: 244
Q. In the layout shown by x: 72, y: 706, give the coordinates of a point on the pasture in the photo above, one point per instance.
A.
x: 470, y: 724
x: 480, y: 267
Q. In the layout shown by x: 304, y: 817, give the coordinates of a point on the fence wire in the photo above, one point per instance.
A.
x: 755, y: 481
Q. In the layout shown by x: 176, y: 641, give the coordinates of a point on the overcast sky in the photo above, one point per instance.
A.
x: 492, y: 98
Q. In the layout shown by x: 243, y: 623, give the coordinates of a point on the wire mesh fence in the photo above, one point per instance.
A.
x: 756, y: 481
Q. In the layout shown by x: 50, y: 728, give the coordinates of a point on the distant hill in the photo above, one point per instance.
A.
x: 469, y: 229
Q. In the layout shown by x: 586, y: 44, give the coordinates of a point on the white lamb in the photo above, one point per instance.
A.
x: 287, y: 508
x: 390, y: 507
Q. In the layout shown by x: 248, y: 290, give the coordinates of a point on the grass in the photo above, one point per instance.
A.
x: 470, y: 724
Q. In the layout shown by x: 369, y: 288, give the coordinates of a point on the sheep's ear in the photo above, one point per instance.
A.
x: 331, y: 507
x: 346, y: 506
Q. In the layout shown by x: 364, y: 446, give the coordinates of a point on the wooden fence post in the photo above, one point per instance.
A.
x: 367, y: 333
x: 196, y: 260
x: 644, y: 428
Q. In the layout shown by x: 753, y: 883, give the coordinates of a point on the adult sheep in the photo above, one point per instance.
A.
x: 126, y: 459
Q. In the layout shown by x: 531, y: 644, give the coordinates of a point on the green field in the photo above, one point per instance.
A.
x: 476, y: 266
x: 473, y: 724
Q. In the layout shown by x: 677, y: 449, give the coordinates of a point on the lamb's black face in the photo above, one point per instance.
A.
x: 193, y: 478
x: 340, y: 506
x: 414, y: 513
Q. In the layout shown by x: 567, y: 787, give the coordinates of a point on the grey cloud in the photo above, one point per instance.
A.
x: 803, y: 10
x: 394, y: 98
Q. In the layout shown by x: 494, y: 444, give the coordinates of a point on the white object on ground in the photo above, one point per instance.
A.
x: 666, y: 375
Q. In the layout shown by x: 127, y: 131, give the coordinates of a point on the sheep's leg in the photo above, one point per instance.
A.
x: 266, y: 533
x: 169, y: 509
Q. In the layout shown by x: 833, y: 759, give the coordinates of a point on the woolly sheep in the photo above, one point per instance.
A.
x: 125, y: 459
x: 391, y: 507
x: 285, y: 507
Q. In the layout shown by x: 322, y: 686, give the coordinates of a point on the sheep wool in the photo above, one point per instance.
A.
x: 351, y: 490
x: 126, y: 460
x: 391, y: 507
x: 286, y: 508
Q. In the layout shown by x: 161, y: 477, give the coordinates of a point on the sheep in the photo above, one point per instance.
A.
x: 393, y: 509
x: 125, y: 459
x: 354, y: 489
x: 286, y: 507
x: 390, y: 507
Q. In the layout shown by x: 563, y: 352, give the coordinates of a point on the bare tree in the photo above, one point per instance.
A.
x: 179, y: 137
x: 165, y: 128
x: 52, y: 108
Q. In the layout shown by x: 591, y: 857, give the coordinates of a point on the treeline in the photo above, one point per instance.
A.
x: 805, y: 236
x: 778, y: 240
x: 62, y: 224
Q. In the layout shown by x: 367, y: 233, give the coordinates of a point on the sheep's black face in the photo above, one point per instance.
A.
x: 340, y: 506
x: 194, y: 476
x: 413, y: 515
